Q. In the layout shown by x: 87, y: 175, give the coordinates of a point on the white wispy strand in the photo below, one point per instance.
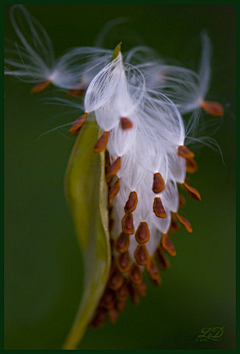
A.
x: 115, y: 92
x: 77, y: 68
x: 186, y: 88
x: 138, y: 85
x: 33, y: 60
x: 149, y: 147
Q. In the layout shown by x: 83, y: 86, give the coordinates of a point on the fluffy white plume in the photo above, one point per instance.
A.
x: 138, y: 101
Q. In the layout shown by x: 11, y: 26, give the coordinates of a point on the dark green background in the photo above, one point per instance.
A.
x: 43, y: 269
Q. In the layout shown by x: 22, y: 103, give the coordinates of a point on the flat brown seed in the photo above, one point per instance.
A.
x: 125, y: 123
x: 101, y: 143
x: 142, y: 234
x: 185, y: 152
x: 135, y: 274
x: 131, y: 203
x: 121, y: 305
x: 116, y: 280
x: 153, y: 271
x: 193, y: 192
x: 141, y: 289
x: 191, y: 166
x: 99, y: 318
x: 113, y: 315
x: 141, y: 254
x: 123, y: 292
x: 122, y: 243
x: 108, y: 299
x: 185, y: 223
x: 114, y: 191
x: 40, y: 86
x: 123, y: 262
x: 158, y: 208
x: 107, y: 160
x: 158, y: 183
x: 78, y: 123
x: 215, y: 109
x: 134, y: 294
x: 76, y: 92
x: 127, y: 224
x: 182, y: 201
x: 167, y: 245
x: 113, y: 169
x: 162, y: 259
x: 174, y: 226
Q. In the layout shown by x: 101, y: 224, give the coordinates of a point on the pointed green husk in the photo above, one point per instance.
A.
x: 87, y: 195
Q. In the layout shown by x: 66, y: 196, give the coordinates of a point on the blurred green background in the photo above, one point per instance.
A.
x: 43, y: 268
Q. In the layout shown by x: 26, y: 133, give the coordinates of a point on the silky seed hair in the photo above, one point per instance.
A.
x: 138, y: 101
x: 142, y: 176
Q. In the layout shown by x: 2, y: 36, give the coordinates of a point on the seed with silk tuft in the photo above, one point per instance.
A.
x: 138, y: 104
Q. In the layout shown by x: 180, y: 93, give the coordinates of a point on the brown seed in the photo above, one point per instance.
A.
x: 131, y: 203
x: 127, y: 224
x: 108, y: 299
x: 116, y: 280
x: 40, y: 86
x: 193, y: 192
x: 112, y: 269
x: 78, y: 123
x: 122, y: 243
x: 107, y: 160
x: 158, y: 183
x: 125, y: 123
x: 134, y: 294
x: 142, y: 234
x: 141, y: 255
x: 167, y: 245
x: 101, y: 143
x: 215, y: 109
x: 99, y: 318
x: 162, y: 259
x: 141, y: 289
x: 135, y: 274
x: 174, y: 226
x: 113, y: 169
x: 185, y: 152
x: 153, y: 271
x: 114, y: 191
x: 157, y: 281
x: 152, y: 268
x: 113, y: 315
x: 123, y: 291
x: 182, y: 201
x: 185, y: 222
x: 191, y: 166
x: 120, y: 305
x: 158, y: 208
x: 123, y: 262
x: 76, y: 92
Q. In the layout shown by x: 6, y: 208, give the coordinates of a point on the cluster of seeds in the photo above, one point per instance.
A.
x: 126, y: 273
x: 138, y: 105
